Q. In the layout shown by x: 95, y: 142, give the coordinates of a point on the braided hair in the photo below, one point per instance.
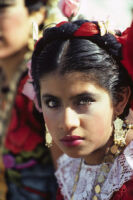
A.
x: 79, y: 46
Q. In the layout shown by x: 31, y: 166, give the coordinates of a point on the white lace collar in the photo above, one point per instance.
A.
x: 121, y: 171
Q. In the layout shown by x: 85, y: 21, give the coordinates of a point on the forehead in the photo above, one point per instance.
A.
x: 74, y: 82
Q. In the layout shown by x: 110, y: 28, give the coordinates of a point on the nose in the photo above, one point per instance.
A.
x: 70, y: 119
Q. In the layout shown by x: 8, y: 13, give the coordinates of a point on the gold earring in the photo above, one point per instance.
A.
x: 48, y: 138
x: 120, y: 132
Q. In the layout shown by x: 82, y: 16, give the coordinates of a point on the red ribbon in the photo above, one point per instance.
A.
x: 86, y: 29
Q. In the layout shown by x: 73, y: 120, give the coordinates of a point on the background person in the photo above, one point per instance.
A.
x: 26, y: 167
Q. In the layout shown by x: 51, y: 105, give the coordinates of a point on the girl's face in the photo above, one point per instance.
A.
x: 78, y: 114
x: 15, y: 27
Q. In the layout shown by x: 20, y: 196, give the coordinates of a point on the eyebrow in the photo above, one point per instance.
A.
x: 46, y: 96
x: 83, y: 94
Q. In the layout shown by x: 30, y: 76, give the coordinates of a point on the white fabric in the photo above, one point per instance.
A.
x: 121, y: 171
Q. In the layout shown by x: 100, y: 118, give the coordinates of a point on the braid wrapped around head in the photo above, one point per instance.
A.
x: 81, y: 46
x: 86, y: 30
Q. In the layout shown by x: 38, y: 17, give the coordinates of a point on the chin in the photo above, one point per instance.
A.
x: 75, y: 154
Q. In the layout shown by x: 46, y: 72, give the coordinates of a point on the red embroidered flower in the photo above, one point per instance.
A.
x: 23, y: 132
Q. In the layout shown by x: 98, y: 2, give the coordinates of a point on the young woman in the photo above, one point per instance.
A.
x: 26, y: 164
x: 86, y: 94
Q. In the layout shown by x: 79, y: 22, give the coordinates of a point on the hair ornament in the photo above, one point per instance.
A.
x: 86, y: 29
x: 104, y: 28
x: 126, y: 39
x: 61, y: 23
x: 28, y: 89
x: 35, y: 31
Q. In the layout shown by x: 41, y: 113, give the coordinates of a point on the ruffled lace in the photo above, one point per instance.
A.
x: 121, y: 171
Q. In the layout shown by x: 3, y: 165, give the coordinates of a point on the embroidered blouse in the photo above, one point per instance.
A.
x: 119, y: 178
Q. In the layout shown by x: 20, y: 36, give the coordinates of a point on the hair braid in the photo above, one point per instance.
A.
x: 67, y: 30
x: 79, y: 46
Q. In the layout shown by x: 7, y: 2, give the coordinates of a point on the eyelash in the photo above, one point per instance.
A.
x: 55, y: 103
x: 79, y: 102
x: 84, y: 100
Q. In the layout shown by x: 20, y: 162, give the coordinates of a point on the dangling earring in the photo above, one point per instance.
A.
x: 48, y: 138
x: 120, y: 132
x: 35, y: 32
x: 33, y: 36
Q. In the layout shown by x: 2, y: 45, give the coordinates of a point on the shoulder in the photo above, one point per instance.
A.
x: 120, y: 175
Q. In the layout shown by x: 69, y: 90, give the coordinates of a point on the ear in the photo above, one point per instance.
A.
x: 124, y: 97
x: 39, y: 16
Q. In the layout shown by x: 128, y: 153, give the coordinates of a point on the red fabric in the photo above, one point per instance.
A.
x: 61, y: 23
x: 86, y: 29
x: 90, y: 29
x: 125, y: 192
x: 23, y: 132
x: 127, y: 50
x: 45, y: 195
x: 59, y: 195
x: 126, y: 39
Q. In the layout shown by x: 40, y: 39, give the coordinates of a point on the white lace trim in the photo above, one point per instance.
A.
x: 121, y: 171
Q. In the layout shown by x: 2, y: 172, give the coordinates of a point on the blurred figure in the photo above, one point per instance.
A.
x: 26, y: 167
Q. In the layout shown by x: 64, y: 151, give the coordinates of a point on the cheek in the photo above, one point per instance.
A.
x: 16, y: 27
x: 50, y: 121
x: 103, y: 124
x: 98, y: 125
x: 52, y: 126
x: 15, y: 19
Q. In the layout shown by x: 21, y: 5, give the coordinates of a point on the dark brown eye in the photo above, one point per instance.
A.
x: 52, y: 103
x: 84, y: 101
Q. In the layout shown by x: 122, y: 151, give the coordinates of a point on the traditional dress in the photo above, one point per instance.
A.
x: 29, y: 170
x: 117, y: 186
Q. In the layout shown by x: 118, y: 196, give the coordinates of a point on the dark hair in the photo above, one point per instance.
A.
x: 99, y: 56
x: 32, y: 5
x: 35, y: 5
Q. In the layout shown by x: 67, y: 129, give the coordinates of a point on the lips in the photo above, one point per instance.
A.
x: 73, y: 140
